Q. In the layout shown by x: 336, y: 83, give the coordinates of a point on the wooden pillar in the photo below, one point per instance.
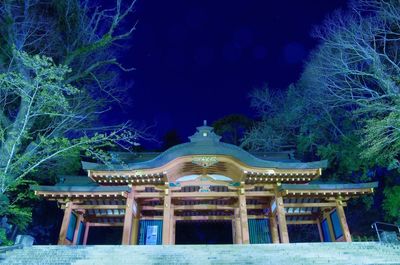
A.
x: 237, y: 228
x: 280, y: 212
x: 244, y: 224
x: 127, y: 230
x: 62, y: 240
x: 76, y: 232
x: 273, y: 227
x: 343, y: 222
x: 233, y: 230
x: 329, y: 222
x: 166, y: 235
x: 321, y: 235
x: 173, y: 227
x: 86, y: 235
x: 135, y: 230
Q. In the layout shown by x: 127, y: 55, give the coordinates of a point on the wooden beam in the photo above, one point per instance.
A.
x: 250, y: 194
x: 258, y: 216
x: 126, y: 232
x: 280, y: 212
x: 202, y: 218
x: 204, y: 194
x: 150, y: 195
x: 98, y: 207
x: 302, y: 222
x: 238, y: 229
x: 311, y: 205
x: 321, y: 235
x: 200, y: 207
x: 343, y: 222
x: 203, y: 207
x: 135, y: 230
x: 274, y: 229
x: 58, y: 195
x: 173, y: 229
x: 244, y: 224
x: 153, y: 208
x: 265, y: 186
x: 256, y: 206
x: 326, y: 215
x: 300, y: 213
x: 344, y: 192
x: 233, y: 231
x: 75, y: 241
x: 104, y: 215
x: 151, y: 218
x: 86, y: 235
x: 62, y: 240
x: 166, y: 235
x: 106, y: 224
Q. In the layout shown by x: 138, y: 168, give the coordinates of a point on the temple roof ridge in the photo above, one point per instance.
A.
x: 205, y: 133
x: 206, y: 143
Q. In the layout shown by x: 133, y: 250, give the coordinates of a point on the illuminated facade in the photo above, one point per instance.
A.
x: 204, y: 180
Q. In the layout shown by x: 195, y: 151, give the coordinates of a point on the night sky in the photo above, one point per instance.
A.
x: 199, y: 60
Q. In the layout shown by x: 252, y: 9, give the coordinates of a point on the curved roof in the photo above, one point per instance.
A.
x: 206, y: 142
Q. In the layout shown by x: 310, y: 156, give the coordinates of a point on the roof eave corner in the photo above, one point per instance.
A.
x: 324, y: 164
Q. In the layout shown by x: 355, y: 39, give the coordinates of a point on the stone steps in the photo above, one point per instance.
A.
x: 304, y: 253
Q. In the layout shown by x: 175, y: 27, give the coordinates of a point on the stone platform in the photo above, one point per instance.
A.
x: 274, y: 254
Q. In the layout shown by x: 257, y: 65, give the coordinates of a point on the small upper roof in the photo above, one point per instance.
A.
x: 203, y: 142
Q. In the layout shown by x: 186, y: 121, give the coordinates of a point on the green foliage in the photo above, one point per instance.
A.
x: 345, y: 158
x: 17, y: 202
x: 382, y: 139
x: 3, y: 238
x: 49, y: 50
x: 232, y: 127
x: 392, y: 204
x: 345, y: 107
x: 38, y: 140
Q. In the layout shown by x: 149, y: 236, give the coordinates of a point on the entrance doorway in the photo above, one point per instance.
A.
x: 105, y: 236
x: 203, y: 232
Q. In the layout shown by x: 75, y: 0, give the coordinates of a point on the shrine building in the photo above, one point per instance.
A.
x: 203, y: 180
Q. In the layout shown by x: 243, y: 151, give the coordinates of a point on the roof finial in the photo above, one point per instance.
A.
x: 205, y: 122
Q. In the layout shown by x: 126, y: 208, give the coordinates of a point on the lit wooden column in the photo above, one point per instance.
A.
x: 173, y: 227
x: 126, y: 232
x: 321, y: 235
x: 166, y: 235
x: 237, y: 228
x: 135, y: 226
x: 86, y: 235
x: 280, y: 212
x: 76, y: 232
x: 62, y: 240
x: 244, y: 224
x: 233, y: 230
x: 273, y: 227
x: 327, y: 216
x: 343, y: 222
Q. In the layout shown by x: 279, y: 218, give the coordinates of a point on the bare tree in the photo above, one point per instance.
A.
x: 357, y: 69
x: 263, y: 138
x: 58, y: 72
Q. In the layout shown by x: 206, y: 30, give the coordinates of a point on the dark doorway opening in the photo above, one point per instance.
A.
x: 203, y: 232
x: 105, y: 236
x: 303, y: 233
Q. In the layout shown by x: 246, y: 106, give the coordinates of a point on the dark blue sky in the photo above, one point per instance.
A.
x: 198, y: 60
